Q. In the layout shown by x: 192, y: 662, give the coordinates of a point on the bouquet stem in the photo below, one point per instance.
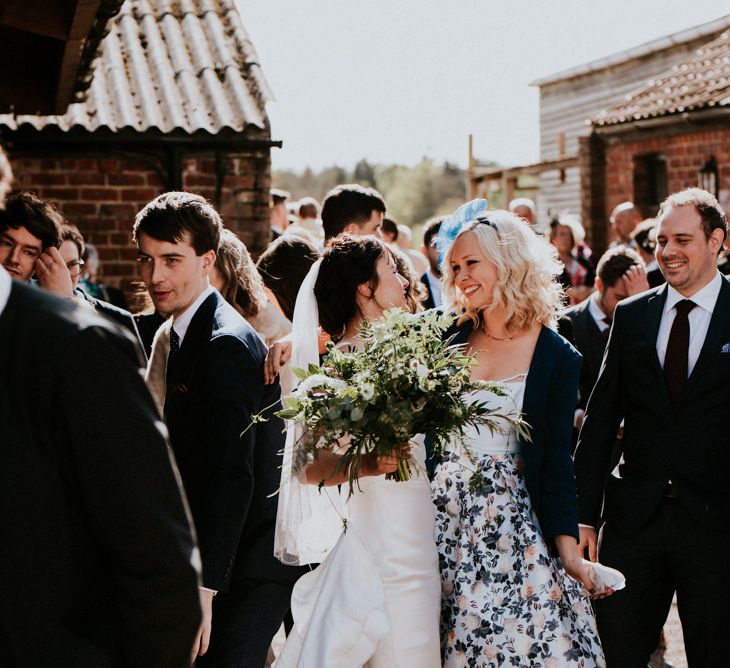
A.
x: 403, y: 472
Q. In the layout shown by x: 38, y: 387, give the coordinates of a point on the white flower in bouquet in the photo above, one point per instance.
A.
x: 406, y: 380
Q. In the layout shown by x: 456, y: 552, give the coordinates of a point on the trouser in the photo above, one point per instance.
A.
x: 673, y: 552
x: 245, y: 620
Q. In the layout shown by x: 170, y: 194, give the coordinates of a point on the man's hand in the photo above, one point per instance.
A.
x: 52, y: 273
x: 588, y: 540
x: 202, y: 639
x: 635, y: 280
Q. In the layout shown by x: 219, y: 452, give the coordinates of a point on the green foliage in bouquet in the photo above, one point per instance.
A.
x: 406, y: 380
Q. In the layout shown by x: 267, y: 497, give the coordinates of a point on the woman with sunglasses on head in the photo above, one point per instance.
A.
x: 506, y: 516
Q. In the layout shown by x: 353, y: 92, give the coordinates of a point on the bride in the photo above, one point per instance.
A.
x: 374, y: 600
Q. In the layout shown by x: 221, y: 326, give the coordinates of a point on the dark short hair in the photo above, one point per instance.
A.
x: 40, y: 218
x: 71, y: 233
x: 283, y: 266
x: 349, y: 203
x: 614, y: 263
x: 308, y: 208
x: 346, y: 263
x: 390, y: 226
x: 431, y: 229
x: 706, y: 205
x: 171, y: 215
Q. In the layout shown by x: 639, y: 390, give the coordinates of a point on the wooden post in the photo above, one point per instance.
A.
x: 471, y: 182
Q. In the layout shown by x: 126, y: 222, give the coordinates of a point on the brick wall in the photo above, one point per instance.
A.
x: 101, y: 195
x: 684, y: 155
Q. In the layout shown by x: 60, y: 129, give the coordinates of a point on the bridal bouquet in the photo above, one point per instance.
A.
x: 405, y: 381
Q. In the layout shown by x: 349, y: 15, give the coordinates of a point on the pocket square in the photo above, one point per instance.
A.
x: 725, y: 348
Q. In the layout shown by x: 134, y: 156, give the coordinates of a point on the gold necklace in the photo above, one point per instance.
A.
x: 494, y: 338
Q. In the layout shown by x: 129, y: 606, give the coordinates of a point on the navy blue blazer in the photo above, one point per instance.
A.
x: 551, y: 394
x: 229, y: 472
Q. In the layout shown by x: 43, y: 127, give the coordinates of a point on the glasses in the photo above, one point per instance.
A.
x: 74, y: 268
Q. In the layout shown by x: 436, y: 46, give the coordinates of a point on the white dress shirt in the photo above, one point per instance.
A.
x: 699, y: 319
x: 434, y: 284
x: 597, y: 313
x: 5, y: 285
x: 181, y: 323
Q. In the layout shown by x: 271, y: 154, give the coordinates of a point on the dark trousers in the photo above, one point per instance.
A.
x: 673, y: 552
x: 245, y: 620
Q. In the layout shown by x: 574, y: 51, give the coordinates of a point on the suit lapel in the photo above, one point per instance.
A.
x: 717, y: 334
x: 655, y: 308
x: 595, y: 342
x: 199, y: 331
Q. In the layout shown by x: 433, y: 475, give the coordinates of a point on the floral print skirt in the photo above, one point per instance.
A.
x: 505, y: 600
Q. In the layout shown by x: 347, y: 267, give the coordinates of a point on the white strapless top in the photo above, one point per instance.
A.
x: 504, y: 439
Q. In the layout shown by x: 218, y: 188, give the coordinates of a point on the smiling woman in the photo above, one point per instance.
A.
x: 501, y: 280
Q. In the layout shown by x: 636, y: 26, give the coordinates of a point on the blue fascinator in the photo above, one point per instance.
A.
x: 450, y: 228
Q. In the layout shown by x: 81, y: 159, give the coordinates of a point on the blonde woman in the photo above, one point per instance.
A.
x: 508, y: 541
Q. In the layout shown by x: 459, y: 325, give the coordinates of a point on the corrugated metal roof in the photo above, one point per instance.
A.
x: 699, y: 82
x: 169, y: 65
x: 706, y: 29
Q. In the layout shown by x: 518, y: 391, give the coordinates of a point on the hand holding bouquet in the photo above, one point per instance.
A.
x: 368, y: 404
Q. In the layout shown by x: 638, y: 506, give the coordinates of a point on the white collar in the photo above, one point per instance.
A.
x: 182, y: 322
x: 705, y: 298
x: 5, y: 285
x: 594, y: 308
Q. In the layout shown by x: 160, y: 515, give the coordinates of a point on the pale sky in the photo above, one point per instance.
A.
x: 395, y: 80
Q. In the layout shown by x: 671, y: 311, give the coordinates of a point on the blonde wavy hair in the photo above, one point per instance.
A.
x: 527, y: 268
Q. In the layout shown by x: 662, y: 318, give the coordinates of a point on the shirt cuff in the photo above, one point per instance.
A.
x: 215, y: 591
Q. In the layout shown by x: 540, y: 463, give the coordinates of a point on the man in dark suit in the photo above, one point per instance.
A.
x: 98, y: 558
x: 666, y: 374
x: 586, y: 325
x: 432, y: 278
x: 213, y: 385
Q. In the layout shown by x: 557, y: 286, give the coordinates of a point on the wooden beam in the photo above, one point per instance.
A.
x: 531, y: 170
x: 50, y: 18
x: 81, y: 23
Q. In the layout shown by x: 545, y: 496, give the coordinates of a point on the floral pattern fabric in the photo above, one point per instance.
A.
x: 505, y: 600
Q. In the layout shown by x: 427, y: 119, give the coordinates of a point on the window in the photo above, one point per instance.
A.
x: 650, y: 182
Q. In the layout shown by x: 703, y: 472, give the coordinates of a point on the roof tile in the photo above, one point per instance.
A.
x: 701, y: 81
x: 166, y: 65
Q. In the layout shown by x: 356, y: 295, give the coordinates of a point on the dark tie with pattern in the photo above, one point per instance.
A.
x: 174, y: 350
x: 675, y: 361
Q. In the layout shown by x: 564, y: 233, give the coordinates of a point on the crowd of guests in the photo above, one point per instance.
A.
x: 125, y: 553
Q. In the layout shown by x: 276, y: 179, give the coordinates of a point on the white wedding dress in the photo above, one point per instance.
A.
x: 375, y: 600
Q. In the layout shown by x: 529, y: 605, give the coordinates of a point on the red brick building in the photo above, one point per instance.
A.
x: 177, y: 101
x: 672, y: 133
